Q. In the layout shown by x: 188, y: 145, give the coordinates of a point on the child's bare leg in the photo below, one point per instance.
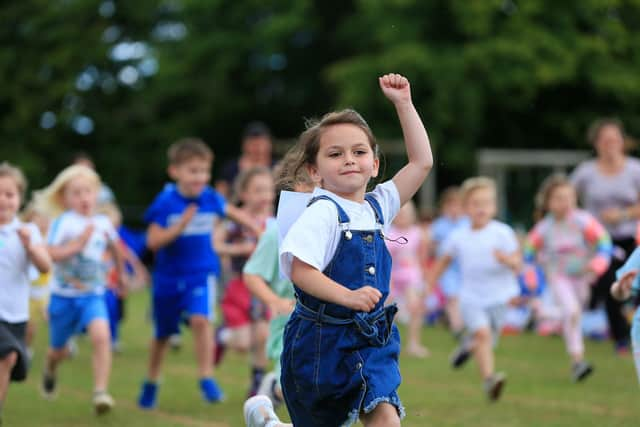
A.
x: 54, y: 357
x: 101, y: 359
x: 239, y: 338
x: 483, y: 351
x: 384, y: 415
x: 259, y: 335
x: 30, y: 333
x: 452, y: 308
x: 6, y: 365
x: 156, y: 355
x: 416, y: 317
x: 203, y: 344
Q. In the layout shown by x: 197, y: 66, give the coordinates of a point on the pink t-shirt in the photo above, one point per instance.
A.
x: 406, y: 271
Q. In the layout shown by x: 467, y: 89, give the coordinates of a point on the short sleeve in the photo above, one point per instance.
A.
x: 635, y: 177
x: 387, y: 195
x: 509, y: 239
x: 633, y: 263
x: 34, y: 234
x: 450, y: 247
x: 311, y: 237
x: 220, y: 204
x: 57, y: 231
x: 263, y: 261
x: 157, y: 213
x: 107, y: 226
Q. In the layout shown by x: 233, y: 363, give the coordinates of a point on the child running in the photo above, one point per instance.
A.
x: 245, y: 318
x: 21, y: 249
x: 78, y: 238
x: 574, y: 249
x: 451, y: 218
x: 628, y: 285
x: 489, y: 258
x: 262, y: 275
x: 408, y: 248
x: 181, y: 221
x: 340, y: 356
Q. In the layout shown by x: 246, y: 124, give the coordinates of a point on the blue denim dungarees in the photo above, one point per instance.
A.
x: 336, y: 362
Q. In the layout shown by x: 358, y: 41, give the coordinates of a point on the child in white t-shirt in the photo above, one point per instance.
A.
x: 489, y: 257
x: 21, y: 249
x: 77, y: 241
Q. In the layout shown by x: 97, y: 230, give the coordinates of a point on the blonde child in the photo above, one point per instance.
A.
x: 77, y: 240
x: 21, y: 249
x: 574, y: 249
x: 340, y: 356
x: 489, y: 258
x: 244, y: 317
x: 407, y: 245
x: 450, y: 219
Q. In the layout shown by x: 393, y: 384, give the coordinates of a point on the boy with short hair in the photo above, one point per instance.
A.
x: 181, y: 221
x: 489, y: 257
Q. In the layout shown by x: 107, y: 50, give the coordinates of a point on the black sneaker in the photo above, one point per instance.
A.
x: 580, y: 371
x: 48, y: 385
x: 459, y: 356
x: 493, y: 386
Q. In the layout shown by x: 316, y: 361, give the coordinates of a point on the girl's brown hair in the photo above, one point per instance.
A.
x: 548, y: 186
x: 242, y: 181
x: 309, y: 141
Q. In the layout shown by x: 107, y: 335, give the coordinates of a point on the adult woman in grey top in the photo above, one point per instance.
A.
x: 609, y: 188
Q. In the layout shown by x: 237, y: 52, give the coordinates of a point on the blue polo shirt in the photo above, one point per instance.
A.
x: 189, y: 259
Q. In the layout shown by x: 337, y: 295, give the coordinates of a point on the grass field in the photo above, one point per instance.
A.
x: 538, y: 391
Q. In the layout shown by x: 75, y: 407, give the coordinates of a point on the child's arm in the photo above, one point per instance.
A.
x: 140, y: 275
x: 621, y: 289
x: 159, y: 237
x: 118, y: 256
x: 512, y: 260
x: 67, y: 250
x: 315, y: 283
x: 437, y: 270
x: 241, y: 217
x: 596, y: 235
x: 224, y: 248
x: 259, y: 288
x: 532, y: 245
x: 409, y: 179
x: 37, y: 253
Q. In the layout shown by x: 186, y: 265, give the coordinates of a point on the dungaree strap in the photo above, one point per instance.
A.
x: 343, y: 218
x: 376, y: 208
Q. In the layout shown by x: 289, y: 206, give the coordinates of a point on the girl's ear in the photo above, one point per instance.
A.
x: 376, y: 167
x: 312, y: 170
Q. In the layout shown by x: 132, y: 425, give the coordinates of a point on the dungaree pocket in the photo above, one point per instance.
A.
x: 376, y: 327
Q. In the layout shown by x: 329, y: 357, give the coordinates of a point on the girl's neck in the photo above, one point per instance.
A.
x: 6, y: 221
x: 611, y: 165
x: 561, y: 216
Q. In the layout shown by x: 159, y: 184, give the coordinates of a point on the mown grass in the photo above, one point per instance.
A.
x: 538, y: 391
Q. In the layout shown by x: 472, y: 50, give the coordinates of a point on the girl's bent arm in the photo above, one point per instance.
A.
x: 241, y: 217
x: 409, y: 179
x: 39, y: 257
x: 315, y: 283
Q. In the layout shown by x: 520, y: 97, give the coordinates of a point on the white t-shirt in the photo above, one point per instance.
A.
x: 314, y: 236
x: 15, y: 271
x: 84, y: 272
x: 485, y: 281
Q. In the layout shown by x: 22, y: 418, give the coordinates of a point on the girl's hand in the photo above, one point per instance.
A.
x: 281, y: 306
x: 611, y: 216
x: 626, y: 281
x: 502, y: 257
x: 86, y: 235
x: 363, y: 299
x: 396, y: 88
x: 25, y: 237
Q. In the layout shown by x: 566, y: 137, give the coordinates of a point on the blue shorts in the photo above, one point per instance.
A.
x: 70, y: 315
x: 168, y: 310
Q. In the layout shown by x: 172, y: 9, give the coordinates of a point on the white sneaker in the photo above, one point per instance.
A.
x: 258, y: 412
x: 102, y: 402
x: 267, y: 387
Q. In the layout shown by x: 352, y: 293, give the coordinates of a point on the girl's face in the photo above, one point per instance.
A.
x: 345, y: 162
x: 406, y: 216
x: 80, y: 194
x: 562, y: 200
x: 452, y: 207
x: 610, y: 142
x: 259, y: 193
x: 481, y: 206
x: 9, y: 199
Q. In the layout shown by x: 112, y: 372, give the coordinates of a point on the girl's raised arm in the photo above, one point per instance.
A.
x: 409, y: 179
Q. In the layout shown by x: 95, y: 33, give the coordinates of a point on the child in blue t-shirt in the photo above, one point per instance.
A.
x: 181, y: 220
